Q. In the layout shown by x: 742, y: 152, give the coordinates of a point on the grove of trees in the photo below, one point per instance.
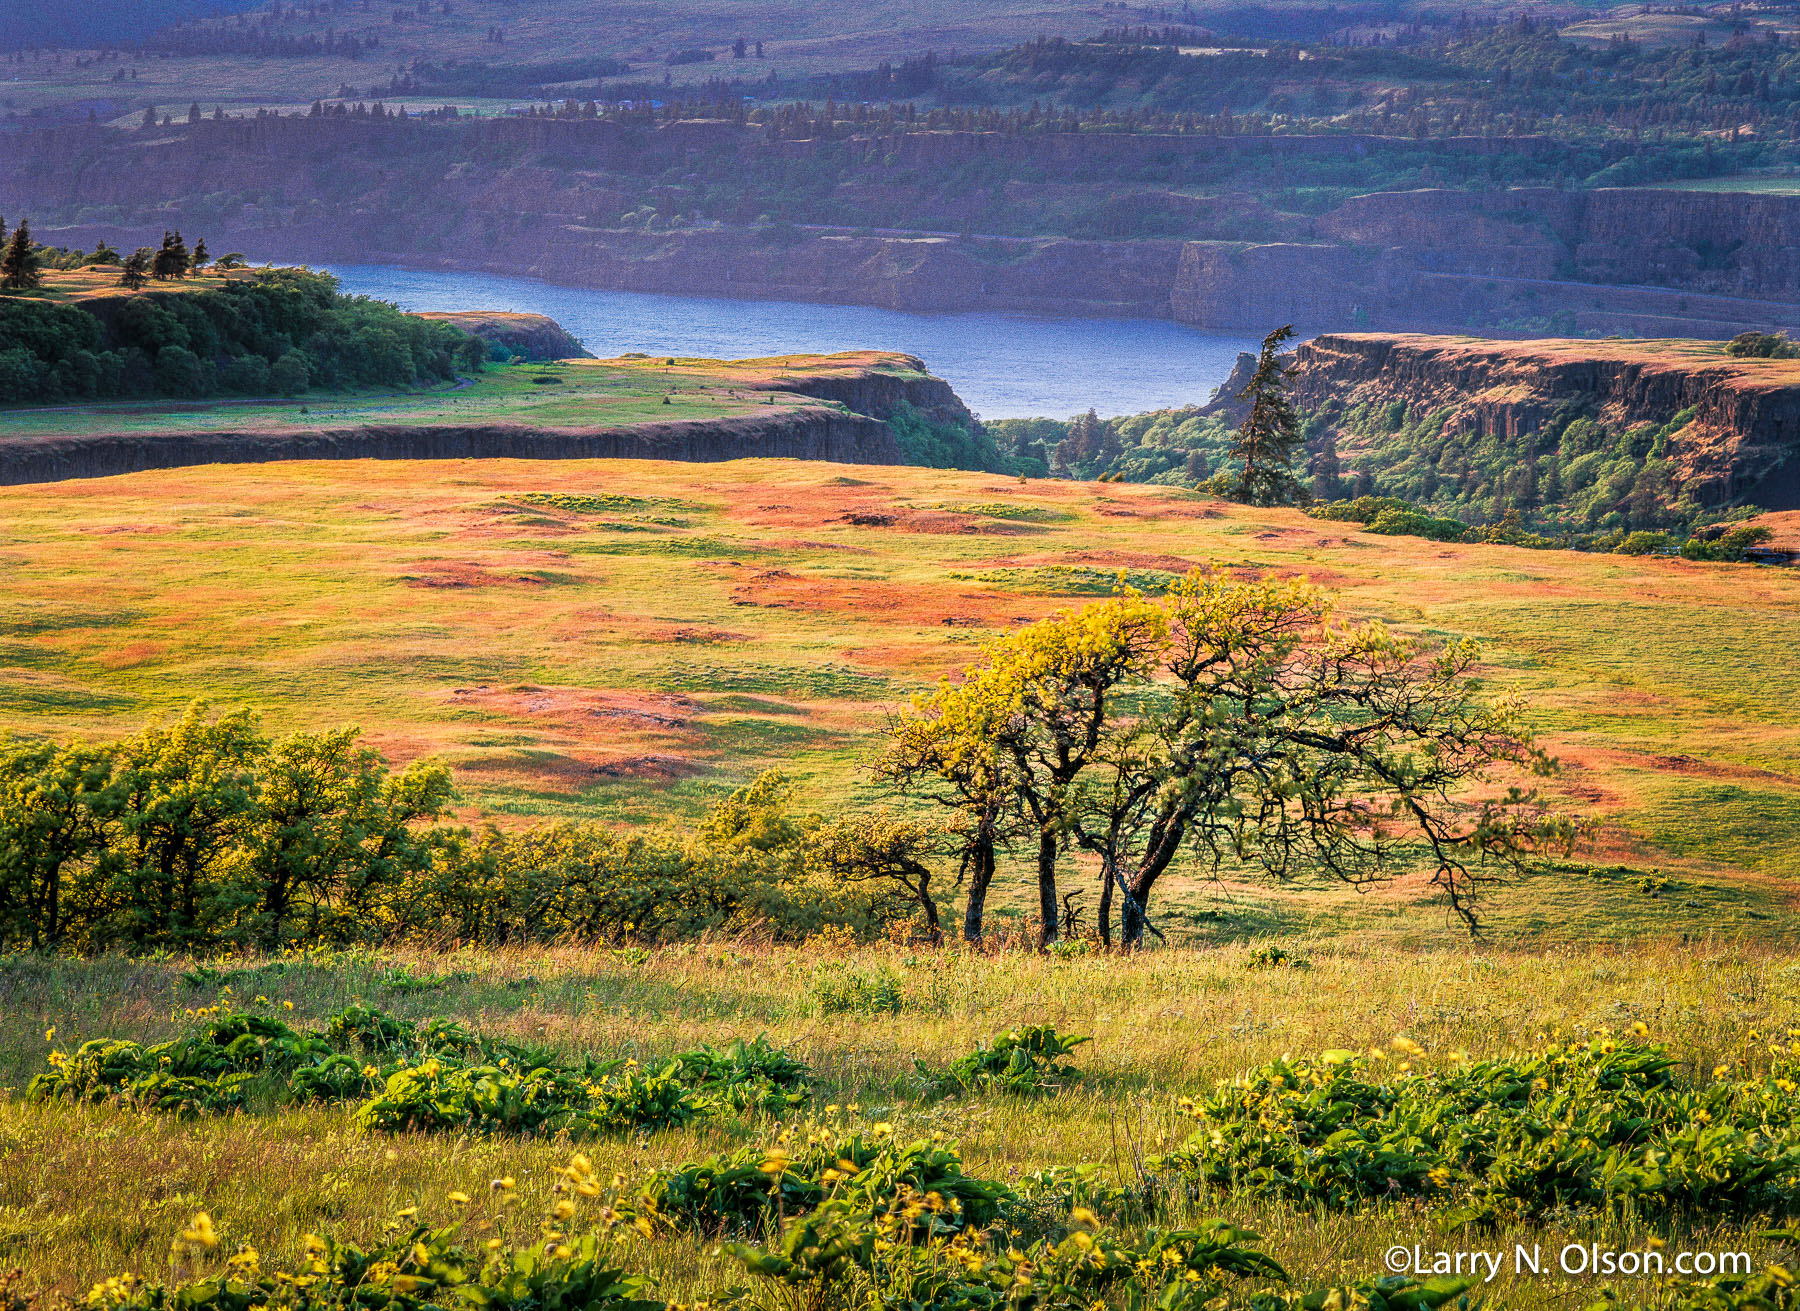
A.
x: 279, y: 331
x: 1226, y: 724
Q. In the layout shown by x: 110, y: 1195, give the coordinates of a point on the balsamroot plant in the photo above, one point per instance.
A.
x: 1027, y: 1061
x: 1601, y: 1126
x: 405, y: 1077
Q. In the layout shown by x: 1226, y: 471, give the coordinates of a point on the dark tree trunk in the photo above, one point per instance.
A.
x: 275, y: 899
x: 1131, y: 927
x: 1131, y: 915
x: 930, y: 908
x: 1107, y: 876
x: 981, y: 873
x: 1047, y: 909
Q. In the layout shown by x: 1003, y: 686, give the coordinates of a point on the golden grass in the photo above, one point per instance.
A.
x: 92, y: 1191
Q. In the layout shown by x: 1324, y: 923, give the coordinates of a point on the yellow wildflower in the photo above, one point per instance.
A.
x: 200, y: 1232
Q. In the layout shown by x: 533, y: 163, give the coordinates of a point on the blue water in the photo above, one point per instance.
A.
x: 1004, y: 366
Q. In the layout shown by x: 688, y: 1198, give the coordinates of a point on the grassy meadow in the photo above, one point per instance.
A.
x: 87, y: 1191
x: 565, y: 394
x: 629, y: 640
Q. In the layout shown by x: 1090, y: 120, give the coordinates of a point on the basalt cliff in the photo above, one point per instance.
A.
x: 615, y: 205
x: 1740, y: 445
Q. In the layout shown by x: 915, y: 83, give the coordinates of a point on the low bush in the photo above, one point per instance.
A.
x: 1596, y: 1127
x: 746, y: 1075
x: 1730, y: 546
x: 1026, y: 1062
x: 414, y: 1268
x: 1417, y: 523
x: 431, y: 1076
x: 1761, y: 346
x: 739, y: 1192
x: 1645, y: 543
x: 841, y: 988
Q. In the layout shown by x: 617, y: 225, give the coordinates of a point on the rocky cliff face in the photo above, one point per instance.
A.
x: 552, y: 198
x: 880, y: 392
x: 525, y: 336
x: 1743, y: 443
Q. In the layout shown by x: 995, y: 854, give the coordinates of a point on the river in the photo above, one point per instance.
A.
x: 1004, y: 366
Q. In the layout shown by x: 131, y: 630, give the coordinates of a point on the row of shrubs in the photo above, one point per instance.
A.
x: 404, y: 1076
x: 1600, y: 1127
x: 437, y: 1075
x: 1397, y: 518
x: 204, y: 834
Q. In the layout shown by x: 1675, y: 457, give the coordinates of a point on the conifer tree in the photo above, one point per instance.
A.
x: 18, y: 265
x: 172, y: 261
x: 1270, y: 433
x: 136, y: 268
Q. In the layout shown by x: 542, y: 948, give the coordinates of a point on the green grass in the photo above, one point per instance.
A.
x: 594, y: 394
x: 97, y: 1190
x: 1751, y: 184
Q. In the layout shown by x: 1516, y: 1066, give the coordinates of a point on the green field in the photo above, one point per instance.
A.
x: 629, y: 640
x: 568, y: 394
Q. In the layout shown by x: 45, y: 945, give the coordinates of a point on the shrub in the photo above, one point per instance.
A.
x: 415, y: 1268
x: 1762, y: 346
x: 433, y: 1076
x: 739, y: 1191
x: 1024, y: 1061
x: 841, y: 988
x: 1179, y: 1270
x: 1363, y: 509
x: 746, y: 1075
x: 290, y: 375
x: 1416, y: 523
x: 180, y: 372
x: 1730, y: 546
x: 1645, y: 543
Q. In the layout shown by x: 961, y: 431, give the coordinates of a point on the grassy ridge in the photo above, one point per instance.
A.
x: 578, y: 394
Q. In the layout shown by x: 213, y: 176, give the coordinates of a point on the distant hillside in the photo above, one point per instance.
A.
x: 102, y: 22
x: 908, y: 217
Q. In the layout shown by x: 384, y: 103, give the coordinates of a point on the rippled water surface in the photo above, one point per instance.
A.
x: 1003, y: 365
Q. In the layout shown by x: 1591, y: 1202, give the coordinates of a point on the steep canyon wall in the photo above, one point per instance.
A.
x: 545, y: 197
